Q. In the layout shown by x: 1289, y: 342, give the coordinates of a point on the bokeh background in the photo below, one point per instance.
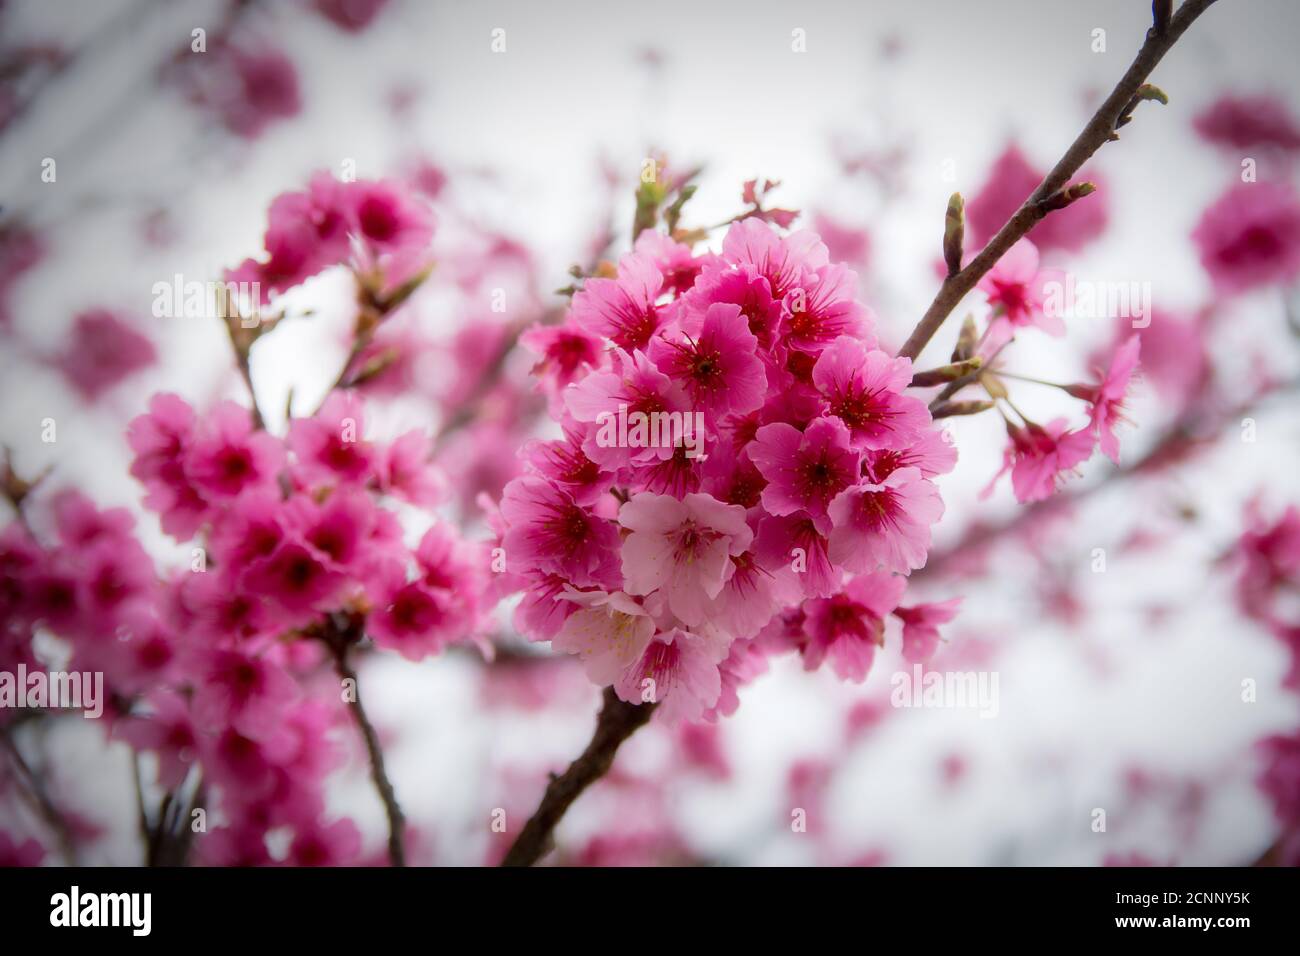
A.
x: 1119, y: 690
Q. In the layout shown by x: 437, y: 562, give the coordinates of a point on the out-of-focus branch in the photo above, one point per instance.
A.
x: 142, y: 814
x: 173, y: 835
x: 468, y: 411
x: 61, y: 63
x: 618, y: 721
x: 373, y: 307
x: 34, y: 788
x: 1052, y: 192
x: 1192, y: 428
x: 14, y: 488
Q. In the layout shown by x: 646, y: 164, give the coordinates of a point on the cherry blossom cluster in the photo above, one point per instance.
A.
x: 290, y: 545
x: 374, y: 225
x: 741, y: 470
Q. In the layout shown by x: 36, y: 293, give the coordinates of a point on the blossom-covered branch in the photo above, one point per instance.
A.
x: 1049, y: 195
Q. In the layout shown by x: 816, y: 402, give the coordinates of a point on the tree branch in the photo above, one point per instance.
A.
x: 618, y: 721
x: 339, y: 639
x: 1100, y: 130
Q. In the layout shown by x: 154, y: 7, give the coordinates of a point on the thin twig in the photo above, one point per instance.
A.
x: 618, y: 721
x: 246, y: 372
x: 1100, y: 130
x: 242, y: 338
x: 339, y: 640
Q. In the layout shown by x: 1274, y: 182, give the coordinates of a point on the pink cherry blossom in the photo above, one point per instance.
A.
x: 548, y: 530
x: 1017, y: 290
x: 783, y: 261
x: 863, y: 388
x: 227, y: 457
x: 351, y: 15
x: 563, y: 351
x: 1240, y: 122
x: 415, y: 618
x: 243, y: 691
x: 742, y: 287
x: 248, y: 89
x: 1250, y: 237
x: 1039, y: 455
x: 797, y: 543
x: 160, y: 439
x: 845, y: 243
x: 1107, y: 396
x: 682, y: 547
x: 622, y: 309
x: 679, y: 671
x: 885, y: 525
x: 334, y: 844
x: 678, y: 264
x: 406, y: 470
x: 330, y: 446
x: 714, y: 361
x: 387, y: 219
x: 847, y: 628
x: 16, y: 851
x: 541, y: 612
x: 632, y: 386
x: 933, y: 453
x: 921, y: 627
x: 804, y: 470
x: 609, y: 632
x: 566, y: 463
x: 104, y: 350
x: 753, y: 594
x: 823, y: 309
x: 297, y: 579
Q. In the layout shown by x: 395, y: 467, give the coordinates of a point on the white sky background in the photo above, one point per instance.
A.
x: 1076, y: 706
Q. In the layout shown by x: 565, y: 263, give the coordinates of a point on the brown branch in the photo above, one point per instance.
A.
x: 1099, y: 130
x: 339, y: 639
x: 618, y: 721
